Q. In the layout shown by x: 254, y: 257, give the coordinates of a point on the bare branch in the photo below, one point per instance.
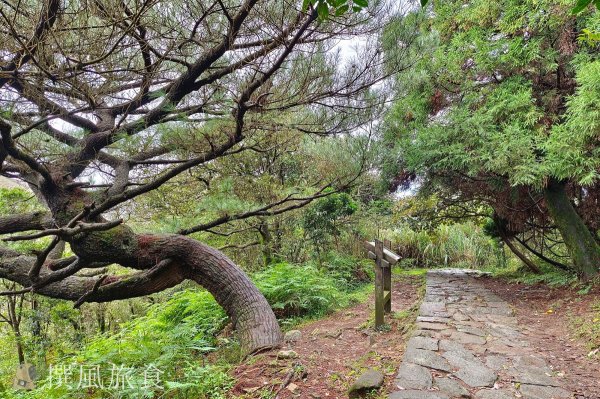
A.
x: 66, y: 233
x: 125, y: 284
x: 243, y: 246
x: 47, y: 19
x: 266, y: 210
x: 13, y: 151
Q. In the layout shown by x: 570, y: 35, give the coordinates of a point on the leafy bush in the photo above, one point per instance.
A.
x: 295, y: 291
x: 458, y: 245
x: 321, y: 219
x: 169, y: 339
x: 347, y: 270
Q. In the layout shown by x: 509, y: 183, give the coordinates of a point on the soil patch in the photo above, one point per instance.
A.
x: 333, y: 351
x: 547, y: 316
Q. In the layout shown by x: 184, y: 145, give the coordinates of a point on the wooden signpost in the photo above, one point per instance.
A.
x: 384, y: 260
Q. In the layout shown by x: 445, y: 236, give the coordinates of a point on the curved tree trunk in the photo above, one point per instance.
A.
x: 165, y: 261
x: 542, y: 256
x: 532, y: 266
x: 505, y: 236
x: 582, y: 246
x: 252, y: 317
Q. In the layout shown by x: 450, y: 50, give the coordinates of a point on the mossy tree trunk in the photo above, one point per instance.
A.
x: 14, y: 320
x: 528, y: 262
x: 583, y: 248
x: 266, y: 239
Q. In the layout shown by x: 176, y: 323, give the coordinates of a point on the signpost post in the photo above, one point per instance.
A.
x: 384, y: 260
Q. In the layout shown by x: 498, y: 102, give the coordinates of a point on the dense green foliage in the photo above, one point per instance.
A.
x: 501, y: 113
x: 495, y: 103
x: 503, y: 119
x: 457, y: 245
x: 171, y: 337
x: 175, y: 335
x: 579, y: 6
x: 311, y: 290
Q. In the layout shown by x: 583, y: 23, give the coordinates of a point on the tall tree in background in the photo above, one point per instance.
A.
x: 503, y: 110
x: 103, y: 102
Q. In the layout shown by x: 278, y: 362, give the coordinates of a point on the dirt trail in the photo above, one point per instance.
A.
x: 333, y: 351
x: 547, y: 316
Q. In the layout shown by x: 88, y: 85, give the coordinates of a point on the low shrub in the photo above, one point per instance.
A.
x: 458, y: 245
x: 169, y: 341
x: 348, y: 271
x: 298, y: 290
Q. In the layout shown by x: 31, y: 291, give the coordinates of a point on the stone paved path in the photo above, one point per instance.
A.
x: 468, y: 345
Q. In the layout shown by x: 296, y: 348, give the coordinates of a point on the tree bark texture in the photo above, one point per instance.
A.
x: 582, y: 246
x: 250, y: 313
x: 528, y: 262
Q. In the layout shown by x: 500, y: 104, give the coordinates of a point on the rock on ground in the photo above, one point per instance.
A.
x: 368, y: 381
x: 292, y: 336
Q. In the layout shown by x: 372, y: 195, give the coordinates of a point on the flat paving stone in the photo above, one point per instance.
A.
x: 514, y: 343
x: 431, y: 326
x: 433, y: 319
x: 470, y: 370
x: 432, y: 309
x: 531, y: 361
x: 427, y: 333
x: 465, y: 338
x: 496, y: 362
x: 471, y: 330
x: 459, y: 316
x: 532, y: 375
x: 413, y: 376
x: 451, y: 387
x: 500, y: 331
x: 415, y: 394
x: 427, y: 358
x: 504, y: 320
x: 476, y: 375
x: 494, y: 394
x: 542, y: 392
x: 456, y: 358
x: 420, y: 342
x: 448, y: 345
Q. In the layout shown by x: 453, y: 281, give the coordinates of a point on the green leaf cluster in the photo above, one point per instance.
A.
x: 298, y: 290
x: 320, y: 219
x: 484, y: 98
x: 325, y: 8
x: 172, y: 336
